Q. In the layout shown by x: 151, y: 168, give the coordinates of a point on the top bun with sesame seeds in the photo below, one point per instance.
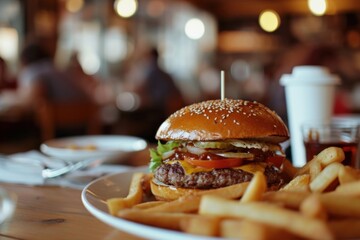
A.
x: 214, y: 144
x: 224, y: 119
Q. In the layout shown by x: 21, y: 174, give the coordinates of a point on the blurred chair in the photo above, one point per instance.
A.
x: 54, y: 116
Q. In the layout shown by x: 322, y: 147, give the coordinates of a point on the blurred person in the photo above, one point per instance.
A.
x: 83, y: 80
x: 100, y: 90
x: 46, y: 97
x: 156, y: 90
x: 3, y: 73
x: 275, y: 97
x: 39, y: 71
x: 38, y: 76
x: 6, y: 82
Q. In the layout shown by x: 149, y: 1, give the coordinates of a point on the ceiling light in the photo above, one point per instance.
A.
x: 269, y: 20
x: 125, y: 8
x: 317, y: 7
x: 194, y: 28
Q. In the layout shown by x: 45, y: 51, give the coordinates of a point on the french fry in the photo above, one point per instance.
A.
x: 156, y: 219
x: 306, y: 168
x: 298, y: 184
x: 134, y: 197
x: 265, y: 213
x: 313, y: 207
x: 346, y: 229
x: 348, y: 174
x: 248, y: 229
x: 286, y: 198
x: 201, y: 225
x: 349, y: 189
x: 331, y: 155
x: 186, y: 204
x: 325, y: 157
x: 322, y: 201
x: 150, y: 204
x: 315, y: 170
x: 341, y: 206
x: 256, y: 188
x: 190, y: 203
x: 335, y: 204
x: 328, y: 175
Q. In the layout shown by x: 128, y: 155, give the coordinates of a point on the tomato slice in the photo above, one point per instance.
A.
x: 223, y: 163
x: 277, y: 160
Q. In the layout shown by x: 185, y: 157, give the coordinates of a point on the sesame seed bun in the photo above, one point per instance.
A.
x: 224, y: 119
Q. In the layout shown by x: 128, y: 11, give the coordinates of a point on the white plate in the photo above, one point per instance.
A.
x: 104, y: 146
x: 94, y: 198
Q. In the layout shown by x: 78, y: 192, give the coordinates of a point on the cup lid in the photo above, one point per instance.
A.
x: 314, y: 75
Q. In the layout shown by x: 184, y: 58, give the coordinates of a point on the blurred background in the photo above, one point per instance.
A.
x: 71, y: 67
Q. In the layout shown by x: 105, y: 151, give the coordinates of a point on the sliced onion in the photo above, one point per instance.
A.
x: 221, y: 145
x: 195, y: 150
x: 168, y: 154
x: 255, y: 144
x: 247, y: 156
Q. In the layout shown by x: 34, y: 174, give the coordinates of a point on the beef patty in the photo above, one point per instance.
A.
x: 173, y: 174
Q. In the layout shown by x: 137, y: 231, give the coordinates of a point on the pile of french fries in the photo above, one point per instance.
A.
x: 322, y: 201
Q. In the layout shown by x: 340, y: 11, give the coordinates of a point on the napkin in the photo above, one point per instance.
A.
x: 26, y: 167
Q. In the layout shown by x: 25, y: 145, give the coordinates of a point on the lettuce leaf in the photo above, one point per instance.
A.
x: 156, y: 154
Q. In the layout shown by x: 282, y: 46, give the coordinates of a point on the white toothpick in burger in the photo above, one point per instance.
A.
x: 214, y: 144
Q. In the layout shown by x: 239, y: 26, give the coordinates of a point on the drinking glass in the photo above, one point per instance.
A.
x: 345, y: 135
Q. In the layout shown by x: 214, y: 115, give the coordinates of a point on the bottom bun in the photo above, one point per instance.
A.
x: 163, y: 192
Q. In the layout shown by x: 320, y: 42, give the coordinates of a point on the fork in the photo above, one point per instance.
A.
x: 69, y: 167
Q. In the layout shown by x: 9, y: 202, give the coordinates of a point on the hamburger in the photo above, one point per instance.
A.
x: 214, y: 144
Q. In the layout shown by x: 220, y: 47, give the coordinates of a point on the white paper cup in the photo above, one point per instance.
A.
x: 309, y: 92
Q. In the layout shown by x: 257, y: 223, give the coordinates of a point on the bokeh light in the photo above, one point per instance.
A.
x: 194, y: 28
x: 89, y: 62
x: 125, y: 8
x: 74, y: 5
x: 269, y: 20
x: 317, y: 7
x: 115, y: 45
x: 128, y: 101
x: 9, y: 41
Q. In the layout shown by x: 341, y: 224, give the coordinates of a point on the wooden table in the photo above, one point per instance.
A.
x: 45, y: 212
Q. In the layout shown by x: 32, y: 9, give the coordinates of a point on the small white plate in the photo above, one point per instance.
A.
x: 91, y: 147
x: 94, y: 197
